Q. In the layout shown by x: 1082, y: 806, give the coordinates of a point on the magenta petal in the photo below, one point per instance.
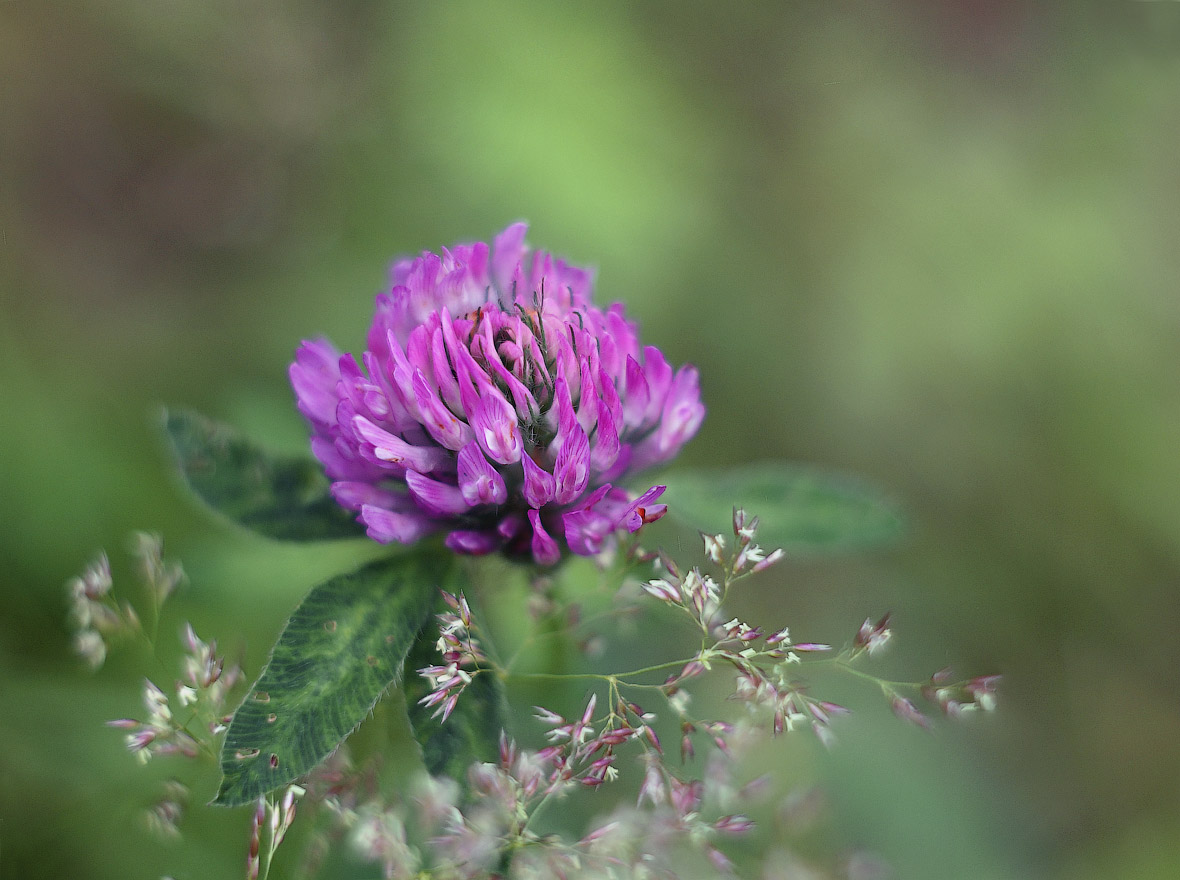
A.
x: 385, y: 526
x: 588, y: 400
x: 354, y: 495
x: 444, y: 374
x: 437, y: 499
x: 522, y: 399
x: 507, y: 252
x: 642, y: 510
x: 510, y: 526
x: 572, y: 469
x: 609, y: 398
x: 539, y: 484
x: 585, y: 527
x: 400, y: 373
x: 585, y: 531
x: 439, y: 421
x: 683, y: 411
x: 606, y: 441
x: 391, y: 448
x: 545, y: 549
x: 399, y: 412
x: 473, y: 543
x: 476, y: 259
x: 567, y: 419
x: 659, y: 379
x: 479, y: 482
x: 495, y: 427
x: 314, y: 376
x: 638, y: 395
x: 682, y: 415
x: 492, y: 418
x: 621, y: 466
x: 342, y: 463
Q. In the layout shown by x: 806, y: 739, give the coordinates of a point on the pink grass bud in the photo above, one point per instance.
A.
x: 907, y: 711
x: 734, y: 825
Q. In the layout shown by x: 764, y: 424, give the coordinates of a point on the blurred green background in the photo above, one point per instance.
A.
x: 933, y: 243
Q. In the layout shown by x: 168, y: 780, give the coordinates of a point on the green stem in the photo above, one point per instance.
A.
x: 844, y: 665
x: 612, y: 678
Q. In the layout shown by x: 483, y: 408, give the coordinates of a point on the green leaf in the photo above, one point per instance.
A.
x: 279, y: 497
x: 472, y: 730
x: 344, y: 646
x: 803, y: 509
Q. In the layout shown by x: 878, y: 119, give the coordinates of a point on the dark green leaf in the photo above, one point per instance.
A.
x: 279, y: 497
x: 344, y: 646
x: 472, y: 730
x: 803, y: 509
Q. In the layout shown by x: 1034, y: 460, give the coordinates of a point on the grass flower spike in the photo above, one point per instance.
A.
x: 496, y: 404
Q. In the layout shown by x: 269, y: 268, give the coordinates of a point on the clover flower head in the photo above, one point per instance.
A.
x: 496, y: 404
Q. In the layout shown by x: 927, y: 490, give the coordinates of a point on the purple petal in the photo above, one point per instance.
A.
x: 659, y: 379
x: 366, y: 398
x: 588, y: 400
x: 387, y: 447
x: 606, y: 441
x: 476, y: 258
x: 314, y: 376
x: 444, y: 373
x: 571, y: 471
x: 510, y: 526
x: 507, y: 252
x: 473, y: 543
x: 400, y: 373
x: 642, y: 510
x: 491, y: 417
x: 440, y: 422
x: 586, y: 528
x: 495, y: 427
x: 539, y: 484
x: 437, y: 499
x: 567, y: 419
x: 522, y: 399
x: 353, y: 495
x: 399, y: 413
x: 545, y: 549
x: 638, y: 395
x: 624, y: 334
x: 479, y: 482
x: 621, y: 466
x: 609, y: 398
x: 680, y: 419
x: 385, y: 526
x: 342, y: 462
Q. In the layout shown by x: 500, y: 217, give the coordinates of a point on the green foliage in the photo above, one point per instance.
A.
x: 279, y: 497
x: 344, y: 646
x: 472, y: 730
x: 805, y: 510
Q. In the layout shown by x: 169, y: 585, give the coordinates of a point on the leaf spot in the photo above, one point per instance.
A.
x: 330, y: 625
x: 371, y: 660
x: 271, y: 718
x: 246, y: 754
x: 389, y: 639
x: 274, y: 761
x: 262, y: 697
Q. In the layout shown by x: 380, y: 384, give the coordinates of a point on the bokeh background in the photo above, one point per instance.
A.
x: 932, y: 242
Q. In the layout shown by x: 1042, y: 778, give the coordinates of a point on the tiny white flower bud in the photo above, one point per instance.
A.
x: 186, y: 695
x: 714, y: 546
